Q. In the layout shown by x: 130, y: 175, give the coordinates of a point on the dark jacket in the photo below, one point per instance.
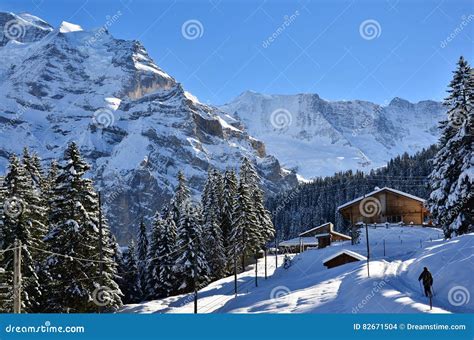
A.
x: 426, y: 277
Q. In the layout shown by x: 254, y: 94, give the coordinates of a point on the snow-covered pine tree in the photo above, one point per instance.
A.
x: 211, y: 204
x: 161, y: 280
x: 244, y: 237
x: 36, y: 200
x: 452, y: 178
x: 20, y: 218
x: 181, y: 195
x: 129, y: 287
x: 229, y: 194
x: 32, y: 164
x: 142, y: 255
x: 264, y: 230
x: 191, y: 264
x: 74, y: 240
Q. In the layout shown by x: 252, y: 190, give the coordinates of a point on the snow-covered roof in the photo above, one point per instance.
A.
x: 307, y: 241
x: 315, y: 228
x: 398, y: 192
x: 347, y: 252
x: 340, y: 234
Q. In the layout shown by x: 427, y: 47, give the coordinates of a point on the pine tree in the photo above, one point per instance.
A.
x: 181, y: 195
x: 264, y: 229
x: 213, y: 240
x: 74, y: 240
x: 229, y: 194
x: 191, y: 265
x: 451, y: 180
x: 20, y: 213
x: 130, y: 287
x: 243, y: 236
x: 142, y: 255
x: 161, y: 258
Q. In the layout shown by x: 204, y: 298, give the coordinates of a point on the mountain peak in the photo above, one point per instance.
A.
x: 67, y: 27
x: 400, y: 102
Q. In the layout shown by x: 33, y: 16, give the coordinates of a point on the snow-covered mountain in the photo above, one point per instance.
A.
x: 320, y: 137
x: 135, y: 124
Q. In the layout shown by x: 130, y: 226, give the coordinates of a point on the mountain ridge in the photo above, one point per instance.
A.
x: 317, y: 137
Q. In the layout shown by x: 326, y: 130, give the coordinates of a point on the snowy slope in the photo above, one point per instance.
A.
x: 308, y: 287
x: 134, y: 123
x: 320, y: 137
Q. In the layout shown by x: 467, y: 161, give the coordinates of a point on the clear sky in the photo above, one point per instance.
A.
x: 318, y: 46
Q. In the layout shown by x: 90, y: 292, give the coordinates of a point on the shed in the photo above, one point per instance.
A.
x: 325, y: 234
x: 342, y: 257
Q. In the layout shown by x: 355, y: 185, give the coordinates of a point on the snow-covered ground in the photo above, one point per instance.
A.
x: 308, y: 287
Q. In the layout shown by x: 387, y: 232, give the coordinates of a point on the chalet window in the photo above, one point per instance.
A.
x: 394, y: 219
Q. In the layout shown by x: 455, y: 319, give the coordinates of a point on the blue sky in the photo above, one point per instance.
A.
x: 318, y: 46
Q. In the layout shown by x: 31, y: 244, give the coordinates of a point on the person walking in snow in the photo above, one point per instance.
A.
x: 427, y: 281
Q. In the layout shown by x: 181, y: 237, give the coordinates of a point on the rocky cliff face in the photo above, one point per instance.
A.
x: 134, y: 123
x: 319, y: 137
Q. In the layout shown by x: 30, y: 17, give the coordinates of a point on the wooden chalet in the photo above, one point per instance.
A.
x: 342, y: 257
x: 385, y: 205
x: 325, y: 234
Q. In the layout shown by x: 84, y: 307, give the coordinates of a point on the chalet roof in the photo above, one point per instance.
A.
x: 316, y: 228
x: 347, y: 252
x: 398, y: 192
x: 307, y: 241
